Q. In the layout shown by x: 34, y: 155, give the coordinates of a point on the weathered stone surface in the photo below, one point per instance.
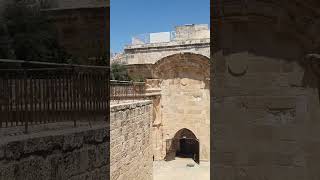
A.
x: 140, y: 58
x: 131, y: 144
x: 61, y: 155
x: 81, y: 26
x: 184, y: 101
x: 263, y: 118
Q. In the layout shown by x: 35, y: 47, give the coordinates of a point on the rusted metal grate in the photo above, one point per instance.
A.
x: 52, y: 93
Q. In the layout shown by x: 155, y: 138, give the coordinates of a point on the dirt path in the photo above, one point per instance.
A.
x: 177, y: 169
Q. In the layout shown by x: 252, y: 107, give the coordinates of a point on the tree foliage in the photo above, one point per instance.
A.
x: 119, y: 72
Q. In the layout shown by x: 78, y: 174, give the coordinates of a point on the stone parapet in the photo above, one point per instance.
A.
x: 204, y: 42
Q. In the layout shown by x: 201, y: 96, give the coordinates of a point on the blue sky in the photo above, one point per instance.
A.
x: 133, y: 17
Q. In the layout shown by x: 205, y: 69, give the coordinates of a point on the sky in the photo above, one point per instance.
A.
x: 133, y: 17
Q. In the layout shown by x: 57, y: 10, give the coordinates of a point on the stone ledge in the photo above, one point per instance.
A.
x: 44, y: 143
x: 129, y: 105
x: 153, y: 94
x: 170, y: 44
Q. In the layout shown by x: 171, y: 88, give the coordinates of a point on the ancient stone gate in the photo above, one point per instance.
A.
x: 183, y: 101
x: 177, y: 79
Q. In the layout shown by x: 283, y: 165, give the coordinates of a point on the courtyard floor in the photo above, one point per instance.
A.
x: 177, y: 169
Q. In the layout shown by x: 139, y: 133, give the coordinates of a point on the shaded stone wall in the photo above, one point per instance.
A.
x: 83, y: 32
x: 78, y: 153
x: 131, y: 146
x: 82, y: 26
x: 71, y: 4
x: 264, y: 121
x: 264, y: 117
x: 2, y: 6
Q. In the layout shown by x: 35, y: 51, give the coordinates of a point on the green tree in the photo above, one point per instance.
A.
x: 119, y: 72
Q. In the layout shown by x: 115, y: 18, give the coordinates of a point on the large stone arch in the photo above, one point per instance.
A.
x: 164, y: 67
x: 185, y: 97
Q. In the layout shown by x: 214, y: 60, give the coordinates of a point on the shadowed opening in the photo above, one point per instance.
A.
x: 184, y: 144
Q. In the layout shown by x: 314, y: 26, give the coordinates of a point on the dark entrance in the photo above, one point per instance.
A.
x: 184, y: 144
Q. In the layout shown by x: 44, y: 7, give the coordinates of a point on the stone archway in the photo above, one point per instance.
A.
x: 184, y: 103
x: 184, y: 144
x: 174, y: 66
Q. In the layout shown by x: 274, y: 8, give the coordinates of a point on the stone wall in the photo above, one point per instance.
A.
x: 2, y: 6
x: 71, y: 4
x: 193, y: 38
x: 192, y: 31
x: 82, y: 31
x: 131, y: 144
x: 184, y: 102
x: 151, y: 53
x: 270, y: 113
x: 139, y: 71
x: 264, y: 117
x: 77, y: 153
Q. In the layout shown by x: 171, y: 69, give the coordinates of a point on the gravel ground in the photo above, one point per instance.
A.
x: 178, y: 170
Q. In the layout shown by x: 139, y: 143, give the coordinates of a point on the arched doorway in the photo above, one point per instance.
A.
x: 184, y: 144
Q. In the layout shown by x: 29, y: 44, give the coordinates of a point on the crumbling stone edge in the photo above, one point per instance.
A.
x: 52, y: 144
x: 130, y: 105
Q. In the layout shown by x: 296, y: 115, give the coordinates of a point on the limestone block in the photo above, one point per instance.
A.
x: 133, y: 143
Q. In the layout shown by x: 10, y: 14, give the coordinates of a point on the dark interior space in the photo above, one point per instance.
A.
x: 183, y: 145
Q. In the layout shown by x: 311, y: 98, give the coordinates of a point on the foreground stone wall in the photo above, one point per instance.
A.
x: 264, y: 117
x: 131, y: 145
x: 272, y: 117
x: 78, y: 153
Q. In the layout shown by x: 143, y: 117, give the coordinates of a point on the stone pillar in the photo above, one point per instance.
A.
x: 263, y: 115
x: 153, y: 91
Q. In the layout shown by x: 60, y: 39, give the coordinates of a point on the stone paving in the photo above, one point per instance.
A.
x: 178, y: 170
